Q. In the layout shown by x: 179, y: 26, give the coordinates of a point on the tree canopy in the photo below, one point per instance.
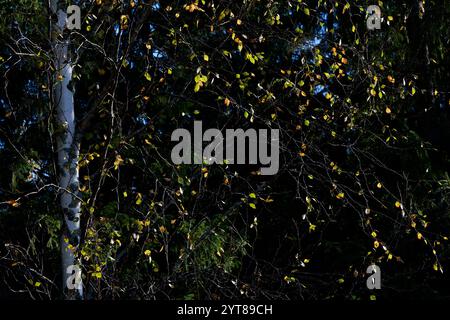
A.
x: 363, y: 117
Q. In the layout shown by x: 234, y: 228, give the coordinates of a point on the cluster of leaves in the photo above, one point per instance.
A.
x: 363, y: 165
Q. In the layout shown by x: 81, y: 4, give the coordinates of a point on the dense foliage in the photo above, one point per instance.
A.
x: 363, y: 119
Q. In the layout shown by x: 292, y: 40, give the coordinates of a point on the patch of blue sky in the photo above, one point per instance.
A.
x: 158, y: 54
x: 116, y: 29
x: 143, y: 119
x: 31, y: 88
x: 318, y: 89
x: 315, y: 40
x: 155, y: 6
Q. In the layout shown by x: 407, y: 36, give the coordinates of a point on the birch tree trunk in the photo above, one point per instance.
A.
x: 68, y: 152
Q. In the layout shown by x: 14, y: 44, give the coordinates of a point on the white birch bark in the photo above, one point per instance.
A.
x: 68, y: 151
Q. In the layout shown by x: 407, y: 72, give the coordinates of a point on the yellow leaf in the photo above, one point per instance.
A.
x: 419, y: 235
x: 252, y: 195
x: 252, y: 205
x: 205, y: 57
x: 346, y: 7
x: 373, y: 234
x: 118, y: 162
x: 306, y: 11
x: 148, y: 76
x: 398, y: 204
x: 139, y: 199
x: 340, y: 195
x: 124, y: 21
x: 222, y: 15
x: 13, y: 203
x: 147, y: 252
